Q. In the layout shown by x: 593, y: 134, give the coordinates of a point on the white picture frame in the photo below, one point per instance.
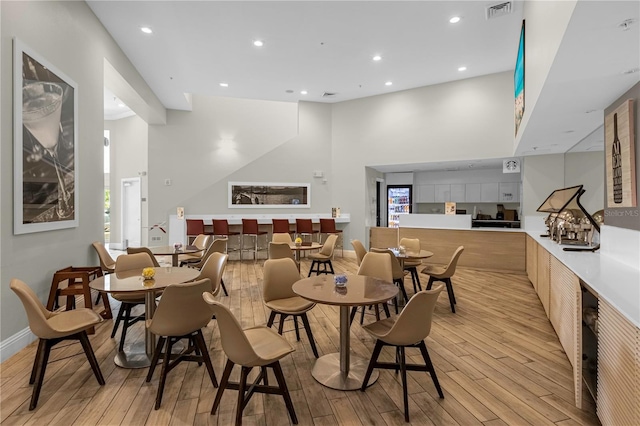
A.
x: 45, y: 166
x: 256, y: 195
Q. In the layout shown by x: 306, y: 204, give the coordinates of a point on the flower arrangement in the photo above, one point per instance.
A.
x: 177, y: 246
x: 148, y: 273
x: 340, y: 280
x: 298, y: 241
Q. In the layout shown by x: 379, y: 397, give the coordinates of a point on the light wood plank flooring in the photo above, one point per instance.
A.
x: 498, y: 361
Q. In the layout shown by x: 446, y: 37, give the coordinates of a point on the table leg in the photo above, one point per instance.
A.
x: 174, y: 259
x: 341, y: 370
x: 134, y: 354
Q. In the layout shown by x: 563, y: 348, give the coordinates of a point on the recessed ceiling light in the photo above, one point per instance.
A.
x: 388, y: 83
x: 377, y: 57
x: 146, y: 30
x: 258, y: 43
x: 224, y: 84
x: 121, y: 105
x: 462, y: 68
x: 303, y: 92
x: 454, y: 20
x: 631, y: 71
x: 589, y: 111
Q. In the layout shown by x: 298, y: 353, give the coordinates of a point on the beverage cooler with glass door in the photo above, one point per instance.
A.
x: 399, y: 202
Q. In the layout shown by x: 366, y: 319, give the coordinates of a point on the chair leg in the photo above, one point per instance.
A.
x: 295, y: 324
x: 272, y: 317
x: 223, y: 385
x: 305, y: 322
x: 311, y: 270
x: 416, y: 278
x: 450, y: 289
x: 285, y: 391
x: 362, y: 316
x: 372, y: 363
x: 377, y: 309
x: 43, y: 359
x: 36, y: 361
x: 91, y: 357
x: 164, y: 371
x: 403, y: 374
x: 281, y: 324
x: 432, y: 370
x: 431, y: 281
x: 386, y: 309
x: 244, y: 372
x: 125, y: 325
x: 224, y: 289
x: 118, y: 319
x: 204, y: 353
x: 354, y: 311
x: 155, y: 358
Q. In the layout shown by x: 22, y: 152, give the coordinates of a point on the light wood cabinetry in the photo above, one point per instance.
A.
x: 542, y: 274
x: 618, y: 368
x: 565, y: 314
x: 426, y: 193
x: 532, y: 261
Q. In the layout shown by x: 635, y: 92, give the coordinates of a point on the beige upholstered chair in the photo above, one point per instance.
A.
x: 407, y: 330
x: 280, y: 237
x: 202, y: 242
x: 398, y: 273
x: 412, y: 244
x: 181, y: 314
x: 52, y: 328
x: 444, y: 274
x: 129, y: 300
x: 214, y: 269
x: 280, y: 251
x: 253, y: 347
x: 327, y: 227
x: 377, y: 265
x: 359, y: 249
x: 323, y: 257
x: 135, y: 250
x: 279, y: 277
x: 219, y: 245
x: 106, y: 261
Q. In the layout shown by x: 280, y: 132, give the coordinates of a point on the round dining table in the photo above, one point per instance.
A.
x: 175, y: 254
x: 139, y: 354
x: 297, y: 248
x: 342, y: 370
x: 404, y: 255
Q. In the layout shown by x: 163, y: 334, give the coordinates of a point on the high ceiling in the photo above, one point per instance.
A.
x: 328, y: 47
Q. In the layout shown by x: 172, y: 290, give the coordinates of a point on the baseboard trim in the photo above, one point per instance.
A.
x: 14, y: 344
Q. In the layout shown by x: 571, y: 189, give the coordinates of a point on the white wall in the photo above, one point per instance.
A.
x: 69, y: 36
x: 467, y: 119
x: 586, y: 168
x: 129, y: 158
x: 541, y: 175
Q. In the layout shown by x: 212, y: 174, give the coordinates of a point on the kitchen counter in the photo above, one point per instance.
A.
x: 495, y: 223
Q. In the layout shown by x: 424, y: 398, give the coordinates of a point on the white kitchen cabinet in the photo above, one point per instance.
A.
x: 426, y: 194
x: 472, y: 193
x: 508, y: 192
x: 442, y: 193
x: 489, y: 192
x: 458, y: 192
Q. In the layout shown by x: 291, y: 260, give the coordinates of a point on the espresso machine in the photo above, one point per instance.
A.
x: 568, y: 222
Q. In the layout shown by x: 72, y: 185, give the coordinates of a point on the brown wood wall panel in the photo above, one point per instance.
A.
x: 565, y: 313
x: 485, y: 250
x: 532, y: 261
x: 542, y: 276
x: 383, y: 237
x: 618, y: 368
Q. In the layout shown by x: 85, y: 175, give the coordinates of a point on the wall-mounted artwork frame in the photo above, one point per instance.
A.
x: 269, y: 195
x: 45, y: 166
x: 620, y: 156
x: 518, y: 80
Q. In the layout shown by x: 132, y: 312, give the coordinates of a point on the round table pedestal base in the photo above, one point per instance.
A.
x: 134, y: 355
x: 327, y: 372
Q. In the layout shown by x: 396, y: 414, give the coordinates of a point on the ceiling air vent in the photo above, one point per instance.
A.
x: 498, y: 9
x: 328, y: 94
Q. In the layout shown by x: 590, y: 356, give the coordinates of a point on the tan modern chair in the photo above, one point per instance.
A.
x: 281, y: 237
x: 398, y: 273
x: 444, y: 274
x: 202, y: 242
x: 328, y: 227
x: 135, y: 250
x: 253, y: 347
x: 219, y: 245
x: 107, y: 263
x: 377, y: 265
x: 129, y: 300
x: 250, y: 228
x: 280, y: 251
x: 213, y: 269
x: 359, y: 249
x: 323, y: 257
x: 412, y: 244
x: 52, y: 328
x: 279, y: 277
x: 181, y: 314
x: 407, y: 330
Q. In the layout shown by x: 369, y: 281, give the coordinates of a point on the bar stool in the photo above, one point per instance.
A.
x: 195, y: 227
x: 328, y: 226
x: 250, y: 228
x: 304, y: 227
x: 280, y: 226
x: 221, y: 228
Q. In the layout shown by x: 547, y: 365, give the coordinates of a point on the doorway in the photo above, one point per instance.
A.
x: 131, y: 213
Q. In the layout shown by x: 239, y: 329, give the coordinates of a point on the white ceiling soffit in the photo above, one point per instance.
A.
x: 316, y: 46
x: 587, y: 75
x: 490, y: 163
x: 114, y: 108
